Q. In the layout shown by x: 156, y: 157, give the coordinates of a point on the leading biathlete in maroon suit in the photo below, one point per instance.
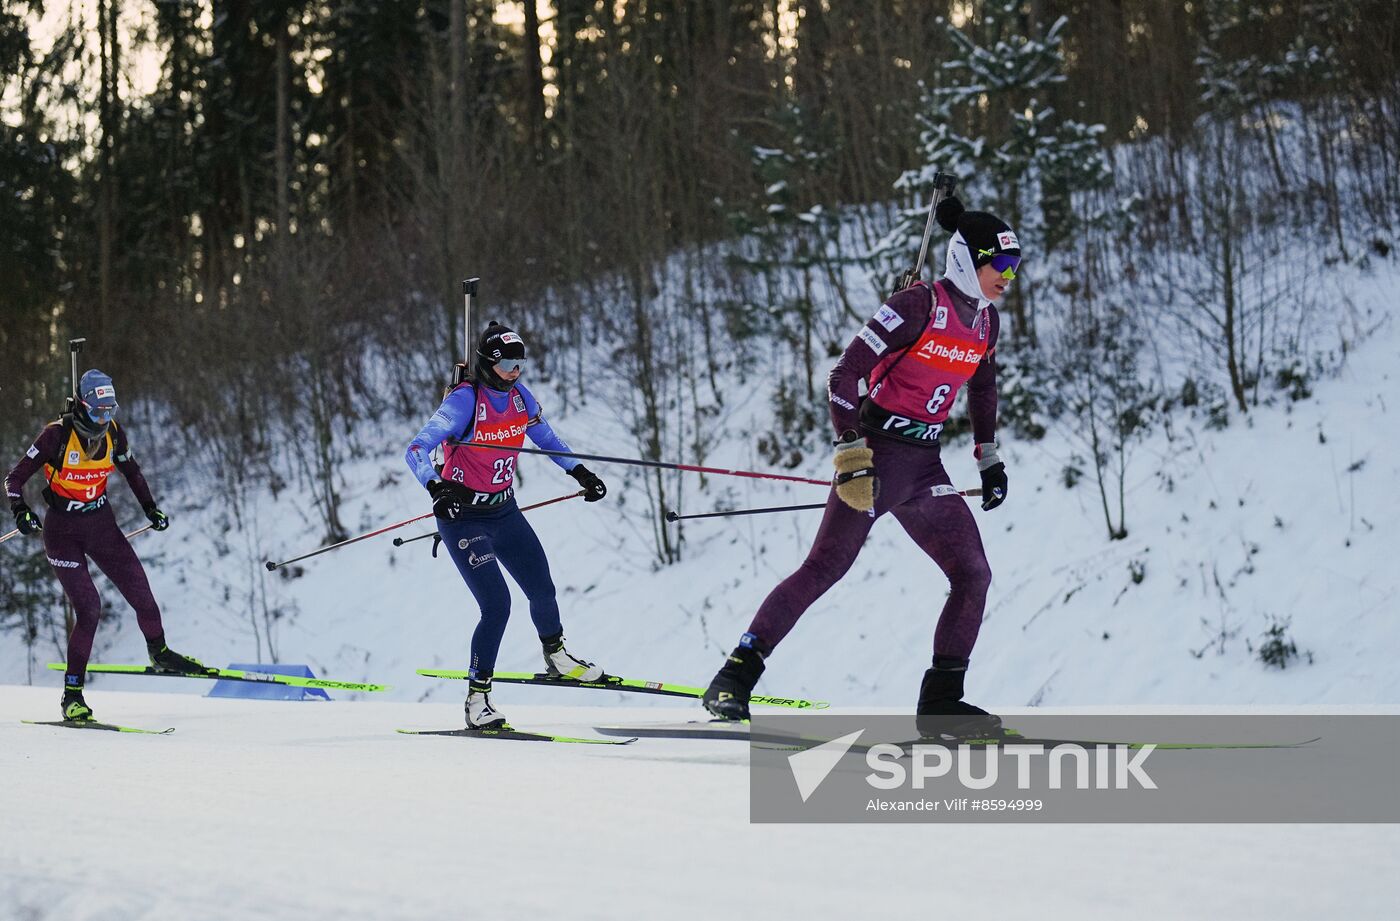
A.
x: 78, y: 453
x: 922, y: 346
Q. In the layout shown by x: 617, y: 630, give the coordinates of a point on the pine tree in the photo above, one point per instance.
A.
x: 795, y: 246
x: 991, y: 125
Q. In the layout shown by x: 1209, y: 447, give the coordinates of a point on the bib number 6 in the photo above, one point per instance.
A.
x: 935, y: 402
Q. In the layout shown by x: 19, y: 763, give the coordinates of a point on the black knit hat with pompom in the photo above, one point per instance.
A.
x: 499, y: 342
x: 986, y: 234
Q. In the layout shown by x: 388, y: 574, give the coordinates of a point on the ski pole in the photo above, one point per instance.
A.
x: 272, y: 566
x: 400, y: 541
x: 676, y: 516
x: 648, y: 463
x: 5, y: 537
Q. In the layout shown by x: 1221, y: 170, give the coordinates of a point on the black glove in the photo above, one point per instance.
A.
x: 593, y: 488
x: 159, y: 520
x: 993, y: 486
x: 25, y: 519
x: 447, y: 501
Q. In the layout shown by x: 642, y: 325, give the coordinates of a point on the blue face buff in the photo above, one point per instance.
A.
x: 102, y: 415
x: 98, y: 397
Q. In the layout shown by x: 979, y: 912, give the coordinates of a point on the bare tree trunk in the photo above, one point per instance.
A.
x: 534, y: 79
x: 809, y: 308
x: 1266, y: 116
x: 450, y: 164
x: 650, y: 427
x: 107, y: 52
x: 1227, y: 268
x: 1100, y: 457
x: 282, y: 153
x: 813, y: 41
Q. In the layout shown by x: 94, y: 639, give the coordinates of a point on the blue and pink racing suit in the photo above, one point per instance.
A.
x: 491, y: 529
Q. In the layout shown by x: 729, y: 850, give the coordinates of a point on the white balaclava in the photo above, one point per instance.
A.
x: 978, y: 238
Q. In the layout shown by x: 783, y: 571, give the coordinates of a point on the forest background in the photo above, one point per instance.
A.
x: 259, y: 213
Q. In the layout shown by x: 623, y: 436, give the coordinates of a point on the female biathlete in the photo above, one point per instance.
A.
x: 919, y: 349
x: 78, y: 453
x: 477, y: 516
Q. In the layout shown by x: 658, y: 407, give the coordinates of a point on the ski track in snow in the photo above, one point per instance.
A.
x: 320, y: 810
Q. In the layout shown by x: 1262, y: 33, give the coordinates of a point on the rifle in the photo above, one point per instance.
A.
x: 943, y: 184
x: 465, y: 368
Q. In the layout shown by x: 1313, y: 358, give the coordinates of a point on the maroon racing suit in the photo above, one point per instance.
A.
x: 75, y: 532
x: 911, y: 482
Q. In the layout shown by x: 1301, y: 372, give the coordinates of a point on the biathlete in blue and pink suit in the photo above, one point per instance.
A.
x: 925, y: 343
x: 478, y: 518
x: 78, y: 454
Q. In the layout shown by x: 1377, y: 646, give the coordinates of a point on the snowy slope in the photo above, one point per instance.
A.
x: 1288, y: 515
x: 292, y: 811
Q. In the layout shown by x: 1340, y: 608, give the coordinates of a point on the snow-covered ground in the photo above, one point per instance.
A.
x: 1287, y: 516
x: 277, y: 810
x: 320, y: 810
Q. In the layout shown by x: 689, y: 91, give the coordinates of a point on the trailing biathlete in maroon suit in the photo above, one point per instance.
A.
x: 78, y: 454
x: 922, y: 346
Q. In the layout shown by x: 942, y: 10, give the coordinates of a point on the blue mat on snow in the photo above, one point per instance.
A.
x: 258, y: 690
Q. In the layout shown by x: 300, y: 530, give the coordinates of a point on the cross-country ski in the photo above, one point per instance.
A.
x: 231, y: 674
x: 94, y: 724
x: 510, y: 733
x: 615, y: 683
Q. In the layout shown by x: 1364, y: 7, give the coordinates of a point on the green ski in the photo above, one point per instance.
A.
x: 233, y: 674
x: 94, y: 724
x: 614, y: 683
x: 510, y: 733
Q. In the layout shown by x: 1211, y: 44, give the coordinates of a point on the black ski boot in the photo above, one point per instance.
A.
x: 942, y: 711
x: 727, y: 697
x: 75, y: 709
x: 169, y: 662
